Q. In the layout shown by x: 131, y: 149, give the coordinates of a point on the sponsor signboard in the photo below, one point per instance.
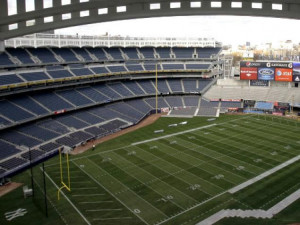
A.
x: 296, y: 78
x: 283, y: 74
x: 296, y: 71
x: 288, y: 65
x: 259, y: 83
x: 248, y: 73
x: 265, y: 73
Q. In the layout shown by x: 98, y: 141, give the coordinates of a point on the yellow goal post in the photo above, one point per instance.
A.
x: 64, y: 185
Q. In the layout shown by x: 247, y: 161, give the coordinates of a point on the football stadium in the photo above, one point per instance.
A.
x: 144, y: 130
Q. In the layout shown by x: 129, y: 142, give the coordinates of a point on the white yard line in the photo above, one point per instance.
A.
x: 71, y: 203
x: 84, y: 188
x: 116, y: 218
x: 96, y: 202
x: 100, y: 210
x: 171, y: 135
x: 87, y: 195
x: 110, y: 193
x: 263, y: 175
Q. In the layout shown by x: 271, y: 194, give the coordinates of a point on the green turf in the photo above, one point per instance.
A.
x: 179, y: 179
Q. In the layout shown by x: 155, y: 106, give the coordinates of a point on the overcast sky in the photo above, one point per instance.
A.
x: 227, y: 29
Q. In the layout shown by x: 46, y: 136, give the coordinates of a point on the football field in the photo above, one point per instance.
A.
x: 185, y: 174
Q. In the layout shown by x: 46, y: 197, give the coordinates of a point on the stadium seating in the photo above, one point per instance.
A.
x: 74, y: 97
x: 198, y: 66
x: 33, y: 76
x: 43, y: 54
x: 81, y: 72
x: 172, y: 66
x: 99, y: 70
x: 7, y: 150
x: 164, y: 53
x: 13, y: 112
x: 148, y: 53
x: 134, y: 88
x: 60, y: 74
x: 135, y: 67
x: 66, y: 54
x: 21, y: 54
x: 191, y: 100
x: 52, y: 101
x: 83, y: 53
x: 98, y: 52
x: 4, y: 60
x: 131, y: 53
x: 175, y: 85
x: 10, y: 79
x: 115, y: 53
x: 183, y: 53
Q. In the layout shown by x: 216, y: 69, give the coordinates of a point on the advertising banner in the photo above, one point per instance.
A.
x: 259, y: 83
x: 296, y: 78
x: 282, y: 74
x: 248, y: 73
x: 296, y: 71
x: 266, y: 73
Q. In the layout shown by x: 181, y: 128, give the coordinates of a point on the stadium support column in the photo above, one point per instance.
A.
x: 2, y: 46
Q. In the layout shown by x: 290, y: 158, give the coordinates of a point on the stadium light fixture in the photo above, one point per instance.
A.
x: 29, y: 5
x: 195, y: 4
x: 276, y: 6
x: 30, y: 23
x: 175, y: 5
x: 12, y: 7
x: 65, y: 2
x: 47, y: 4
x: 48, y: 19
x: 216, y: 4
x: 121, y: 9
x: 66, y: 16
x: 84, y: 13
x: 236, y: 4
x: 102, y: 11
x: 154, y: 6
x: 13, y: 26
x: 256, y: 5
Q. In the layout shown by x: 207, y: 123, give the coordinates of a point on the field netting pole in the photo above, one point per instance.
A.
x: 45, y: 191
x: 31, y: 172
x: 156, y: 89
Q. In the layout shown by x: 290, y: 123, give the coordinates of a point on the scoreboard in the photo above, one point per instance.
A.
x: 270, y: 71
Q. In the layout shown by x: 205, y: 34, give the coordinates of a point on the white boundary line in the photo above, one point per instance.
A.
x: 263, y: 175
x: 83, y: 217
x: 171, y: 135
x: 256, y: 213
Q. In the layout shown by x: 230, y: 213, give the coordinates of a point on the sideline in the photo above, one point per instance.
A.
x: 171, y: 135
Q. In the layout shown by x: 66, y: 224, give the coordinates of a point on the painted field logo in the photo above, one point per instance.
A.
x: 14, y: 214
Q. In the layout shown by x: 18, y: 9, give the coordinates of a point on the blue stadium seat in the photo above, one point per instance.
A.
x: 14, y: 112
x: 66, y: 54
x: 21, y: 54
x: 98, y: 52
x: 60, y: 74
x: 4, y: 60
x: 34, y: 76
x: 43, y: 54
x: 10, y: 79
x: 148, y: 53
x: 74, y: 97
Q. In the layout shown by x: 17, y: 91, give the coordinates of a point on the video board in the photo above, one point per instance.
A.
x: 270, y: 71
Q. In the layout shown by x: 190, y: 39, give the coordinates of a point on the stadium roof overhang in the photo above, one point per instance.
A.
x: 80, y: 12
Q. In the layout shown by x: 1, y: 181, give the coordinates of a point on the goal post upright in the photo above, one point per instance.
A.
x: 68, y: 187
